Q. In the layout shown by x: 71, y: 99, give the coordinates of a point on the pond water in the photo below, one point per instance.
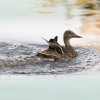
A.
x: 22, y: 24
x: 63, y: 87
x: 28, y: 21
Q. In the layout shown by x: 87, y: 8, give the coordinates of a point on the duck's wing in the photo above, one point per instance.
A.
x: 54, y: 45
x: 50, y: 54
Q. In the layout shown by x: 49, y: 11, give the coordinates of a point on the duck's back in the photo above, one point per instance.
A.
x: 70, y: 51
x: 50, y: 54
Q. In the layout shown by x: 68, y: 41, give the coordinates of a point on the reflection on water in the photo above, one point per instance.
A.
x: 46, y: 18
x: 91, y: 19
x: 82, y: 16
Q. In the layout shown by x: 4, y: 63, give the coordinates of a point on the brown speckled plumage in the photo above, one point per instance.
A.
x: 58, y: 52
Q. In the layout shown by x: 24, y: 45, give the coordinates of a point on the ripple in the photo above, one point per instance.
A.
x: 21, y: 59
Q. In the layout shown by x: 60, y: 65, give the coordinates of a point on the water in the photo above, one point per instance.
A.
x: 23, y: 23
x: 21, y: 59
x: 50, y: 87
x: 28, y: 21
x: 23, y: 75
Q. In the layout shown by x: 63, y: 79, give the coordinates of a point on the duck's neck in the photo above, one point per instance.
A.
x: 67, y: 43
x: 68, y: 48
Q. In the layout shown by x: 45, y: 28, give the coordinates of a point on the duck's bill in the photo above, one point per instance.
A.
x: 77, y: 36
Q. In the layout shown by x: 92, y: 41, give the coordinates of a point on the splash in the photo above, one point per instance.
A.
x: 18, y: 58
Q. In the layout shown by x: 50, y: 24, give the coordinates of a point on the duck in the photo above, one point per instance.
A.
x: 58, y: 52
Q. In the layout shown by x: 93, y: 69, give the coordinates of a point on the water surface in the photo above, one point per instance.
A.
x: 22, y: 24
x: 64, y: 87
x: 28, y: 21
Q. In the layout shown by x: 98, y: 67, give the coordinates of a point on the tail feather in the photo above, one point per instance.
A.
x: 54, y: 45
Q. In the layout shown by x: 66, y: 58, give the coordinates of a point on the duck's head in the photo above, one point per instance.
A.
x: 54, y: 40
x: 69, y: 34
